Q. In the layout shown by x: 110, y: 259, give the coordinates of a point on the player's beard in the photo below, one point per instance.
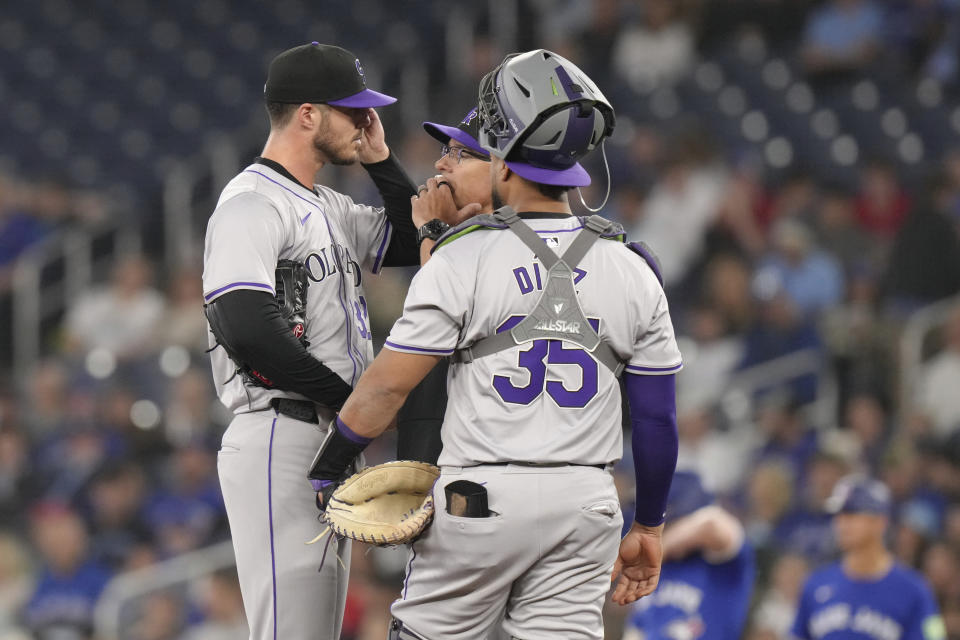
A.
x: 325, y: 147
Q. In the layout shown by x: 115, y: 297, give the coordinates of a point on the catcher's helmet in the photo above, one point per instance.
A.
x: 541, y: 114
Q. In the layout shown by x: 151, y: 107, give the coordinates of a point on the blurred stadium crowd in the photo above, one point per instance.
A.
x: 795, y: 165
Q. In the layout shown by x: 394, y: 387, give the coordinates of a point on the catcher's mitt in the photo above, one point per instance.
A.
x: 389, y: 504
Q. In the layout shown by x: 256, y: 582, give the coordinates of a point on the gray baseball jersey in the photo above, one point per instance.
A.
x: 543, y: 401
x: 262, y: 217
x: 541, y: 562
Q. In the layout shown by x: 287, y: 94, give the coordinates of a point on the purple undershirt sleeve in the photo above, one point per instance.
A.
x: 653, y: 418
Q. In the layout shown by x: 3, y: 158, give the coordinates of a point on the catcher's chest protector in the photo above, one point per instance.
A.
x: 557, y: 314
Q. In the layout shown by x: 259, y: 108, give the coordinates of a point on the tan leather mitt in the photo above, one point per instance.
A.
x: 389, y: 504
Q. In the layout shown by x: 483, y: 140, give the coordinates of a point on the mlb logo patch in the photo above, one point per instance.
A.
x: 552, y: 241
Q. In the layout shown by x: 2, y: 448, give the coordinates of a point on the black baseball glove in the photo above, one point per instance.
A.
x: 291, y: 297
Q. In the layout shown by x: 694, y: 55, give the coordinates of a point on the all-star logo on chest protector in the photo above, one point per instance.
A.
x: 558, y: 314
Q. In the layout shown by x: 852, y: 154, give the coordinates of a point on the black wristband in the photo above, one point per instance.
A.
x: 336, y: 455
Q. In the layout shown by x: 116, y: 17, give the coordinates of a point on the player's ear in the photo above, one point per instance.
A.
x: 499, y: 169
x: 309, y: 115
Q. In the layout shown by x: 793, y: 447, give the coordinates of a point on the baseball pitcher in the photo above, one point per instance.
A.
x: 289, y: 324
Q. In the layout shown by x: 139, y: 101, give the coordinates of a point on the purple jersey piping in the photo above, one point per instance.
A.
x: 676, y: 367
x: 340, y: 293
x: 233, y: 285
x: 402, y: 347
x: 406, y: 580
x: 273, y: 558
x: 557, y: 230
x: 387, y: 232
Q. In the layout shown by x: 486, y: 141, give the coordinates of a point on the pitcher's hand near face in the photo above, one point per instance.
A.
x: 638, y: 563
x: 434, y: 200
x: 374, y: 147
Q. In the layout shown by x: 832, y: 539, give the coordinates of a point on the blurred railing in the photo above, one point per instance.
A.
x: 737, y: 400
x: 41, y: 292
x: 127, y: 588
x: 217, y: 163
x: 912, y: 341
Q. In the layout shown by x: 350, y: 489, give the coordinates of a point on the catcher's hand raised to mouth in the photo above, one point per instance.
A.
x: 434, y: 201
x: 389, y: 504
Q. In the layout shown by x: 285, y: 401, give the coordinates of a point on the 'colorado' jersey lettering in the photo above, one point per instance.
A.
x: 262, y: 217
x: 898, y: 606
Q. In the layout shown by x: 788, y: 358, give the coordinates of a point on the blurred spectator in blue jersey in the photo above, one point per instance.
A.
x: 781, y: 329
x: 187, y: 510
x: 61, y: 607
x: 115, y: 497
x: 788, y: 436
x: 868, y: 589
x: 810, y: 277
x: 708, y: 571
x: 806, y: 528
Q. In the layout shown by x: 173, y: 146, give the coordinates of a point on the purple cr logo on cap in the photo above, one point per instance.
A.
x: 359, y: 68
x: 470, y: 116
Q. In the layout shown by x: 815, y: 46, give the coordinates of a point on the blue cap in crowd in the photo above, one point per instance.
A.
x: 859, y: 494
x: 687, y: 494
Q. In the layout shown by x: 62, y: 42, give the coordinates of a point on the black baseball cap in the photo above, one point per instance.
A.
x: 466, y: 133
x: 320, y: 73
